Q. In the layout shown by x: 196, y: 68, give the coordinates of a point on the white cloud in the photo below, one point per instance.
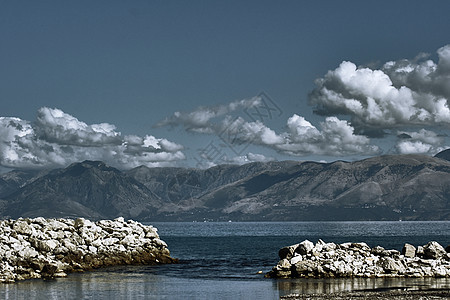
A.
x: 58, y: 139
x: 55, y: 126
x: 249, y: 158
x: 401, y: 93
x: 335, y: 137
x: 422, y: 142
x: 199, y: 120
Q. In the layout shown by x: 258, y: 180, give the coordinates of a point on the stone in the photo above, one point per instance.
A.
x: 304, y: 247
x: 296, y: 259
x: 378, y: 250
x: 420, y: 252
x: 305, y: 268
x: 434, y: 250
x: 409, y: 250
x: 287, y: 252
x: 48, y: 248
x: 392, y: 266
x: 23, y: 227
x: 358, y: 260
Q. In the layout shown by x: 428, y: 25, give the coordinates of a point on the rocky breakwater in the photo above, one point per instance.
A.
x: 46, y: 248
x: 309, y: 260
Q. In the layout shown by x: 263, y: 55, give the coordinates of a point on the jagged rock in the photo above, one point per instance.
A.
x: 287, y: 252
x: 359, y: 260
x: 434, y: 250
x: 43, y: 248
x: 296, y: 259
x: 392, y: 266
x: 409, y: 250
x: 305, y: 247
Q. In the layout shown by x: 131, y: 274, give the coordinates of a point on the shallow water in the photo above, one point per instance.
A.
x: 222, y: 260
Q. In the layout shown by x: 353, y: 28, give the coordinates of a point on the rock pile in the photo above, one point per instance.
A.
x: 45, y: 248
x: 359, y: 260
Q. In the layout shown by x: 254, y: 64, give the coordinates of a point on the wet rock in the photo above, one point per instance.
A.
x: 305, y: 247
x: 434, y: 250
x: 46, y: 248
x: 409, y: 250
x: 359, y: 260
x: 287, y: 252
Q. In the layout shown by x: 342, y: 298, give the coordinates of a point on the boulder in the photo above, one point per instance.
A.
x: 359, y: 260
x: 304, y: 247
x: 46, y: 248
x: 434, y: 250
x: 409, y: 250
x: 287, y: 252
x: 392, y: 266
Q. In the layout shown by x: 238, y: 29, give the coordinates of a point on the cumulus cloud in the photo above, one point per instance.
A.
x: 53, y: 125
x: 249, y: 158
x: 422, y: 142
x: 335, y: 137
x: 199, y: 120
x: 405, y: 92
x: 58, y: 139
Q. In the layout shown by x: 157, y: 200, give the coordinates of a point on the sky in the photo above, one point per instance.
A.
x: 202, y: 83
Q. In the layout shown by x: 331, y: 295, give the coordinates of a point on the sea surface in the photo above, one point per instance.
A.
x: 228, y: 260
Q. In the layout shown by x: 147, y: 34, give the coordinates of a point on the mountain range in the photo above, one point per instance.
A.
x: 391, y: 187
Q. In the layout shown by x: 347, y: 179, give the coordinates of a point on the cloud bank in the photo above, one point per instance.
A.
x: 334, y: 137
x: 199, y: 120
x: 57, y: 139
x: 402, y: 93
x: 424, y: 142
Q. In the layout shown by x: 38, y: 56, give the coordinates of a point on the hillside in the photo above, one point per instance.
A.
x: 408, y: 187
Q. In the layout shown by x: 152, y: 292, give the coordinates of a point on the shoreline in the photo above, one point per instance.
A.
x: 49, y: 248
x: 375, y: 295
x: 347, y: 260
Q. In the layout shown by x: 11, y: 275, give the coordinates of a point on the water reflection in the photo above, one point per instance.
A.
x: 334, y: 285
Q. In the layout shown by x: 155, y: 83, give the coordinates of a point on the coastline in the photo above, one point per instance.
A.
x: 51, y: 248
x: 374, y: 295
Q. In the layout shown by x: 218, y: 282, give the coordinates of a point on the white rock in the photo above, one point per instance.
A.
x: 110, y: 241
x: 92, y: 249
x: 296, y: 259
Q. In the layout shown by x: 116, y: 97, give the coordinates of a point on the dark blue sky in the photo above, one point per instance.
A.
x: 134, y: 63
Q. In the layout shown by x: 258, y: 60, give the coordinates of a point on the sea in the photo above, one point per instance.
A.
x: 228, y: 260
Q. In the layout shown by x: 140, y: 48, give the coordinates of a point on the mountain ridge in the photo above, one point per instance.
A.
x: 389, y: 187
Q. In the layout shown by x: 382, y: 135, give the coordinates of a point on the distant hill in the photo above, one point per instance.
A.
x: 444, y: 155
x: 90, y: 189
x: 408, y: 187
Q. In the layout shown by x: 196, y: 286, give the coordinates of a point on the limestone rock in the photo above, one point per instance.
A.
x: 434, y: 250
x: 305, y: 247
x: 287, y: 252
x: 359, y: 260
x: 43, y: 248
x: 409, y: 250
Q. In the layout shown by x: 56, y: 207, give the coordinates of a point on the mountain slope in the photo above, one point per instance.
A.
x: 444, y: 154
x: 89, y: 189
x: 409, y: 187
x: 387, y: 187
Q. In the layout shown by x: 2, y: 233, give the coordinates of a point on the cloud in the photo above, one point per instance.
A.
x: 335, y: 137
x: 405, y: 92
x: 249, y: 158
x: 199, y: 120
x: 55, y: 126
x: 422, y: 142
x: 58, y: 139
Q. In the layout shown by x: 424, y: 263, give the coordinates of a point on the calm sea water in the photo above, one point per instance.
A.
x: 223, y: 261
